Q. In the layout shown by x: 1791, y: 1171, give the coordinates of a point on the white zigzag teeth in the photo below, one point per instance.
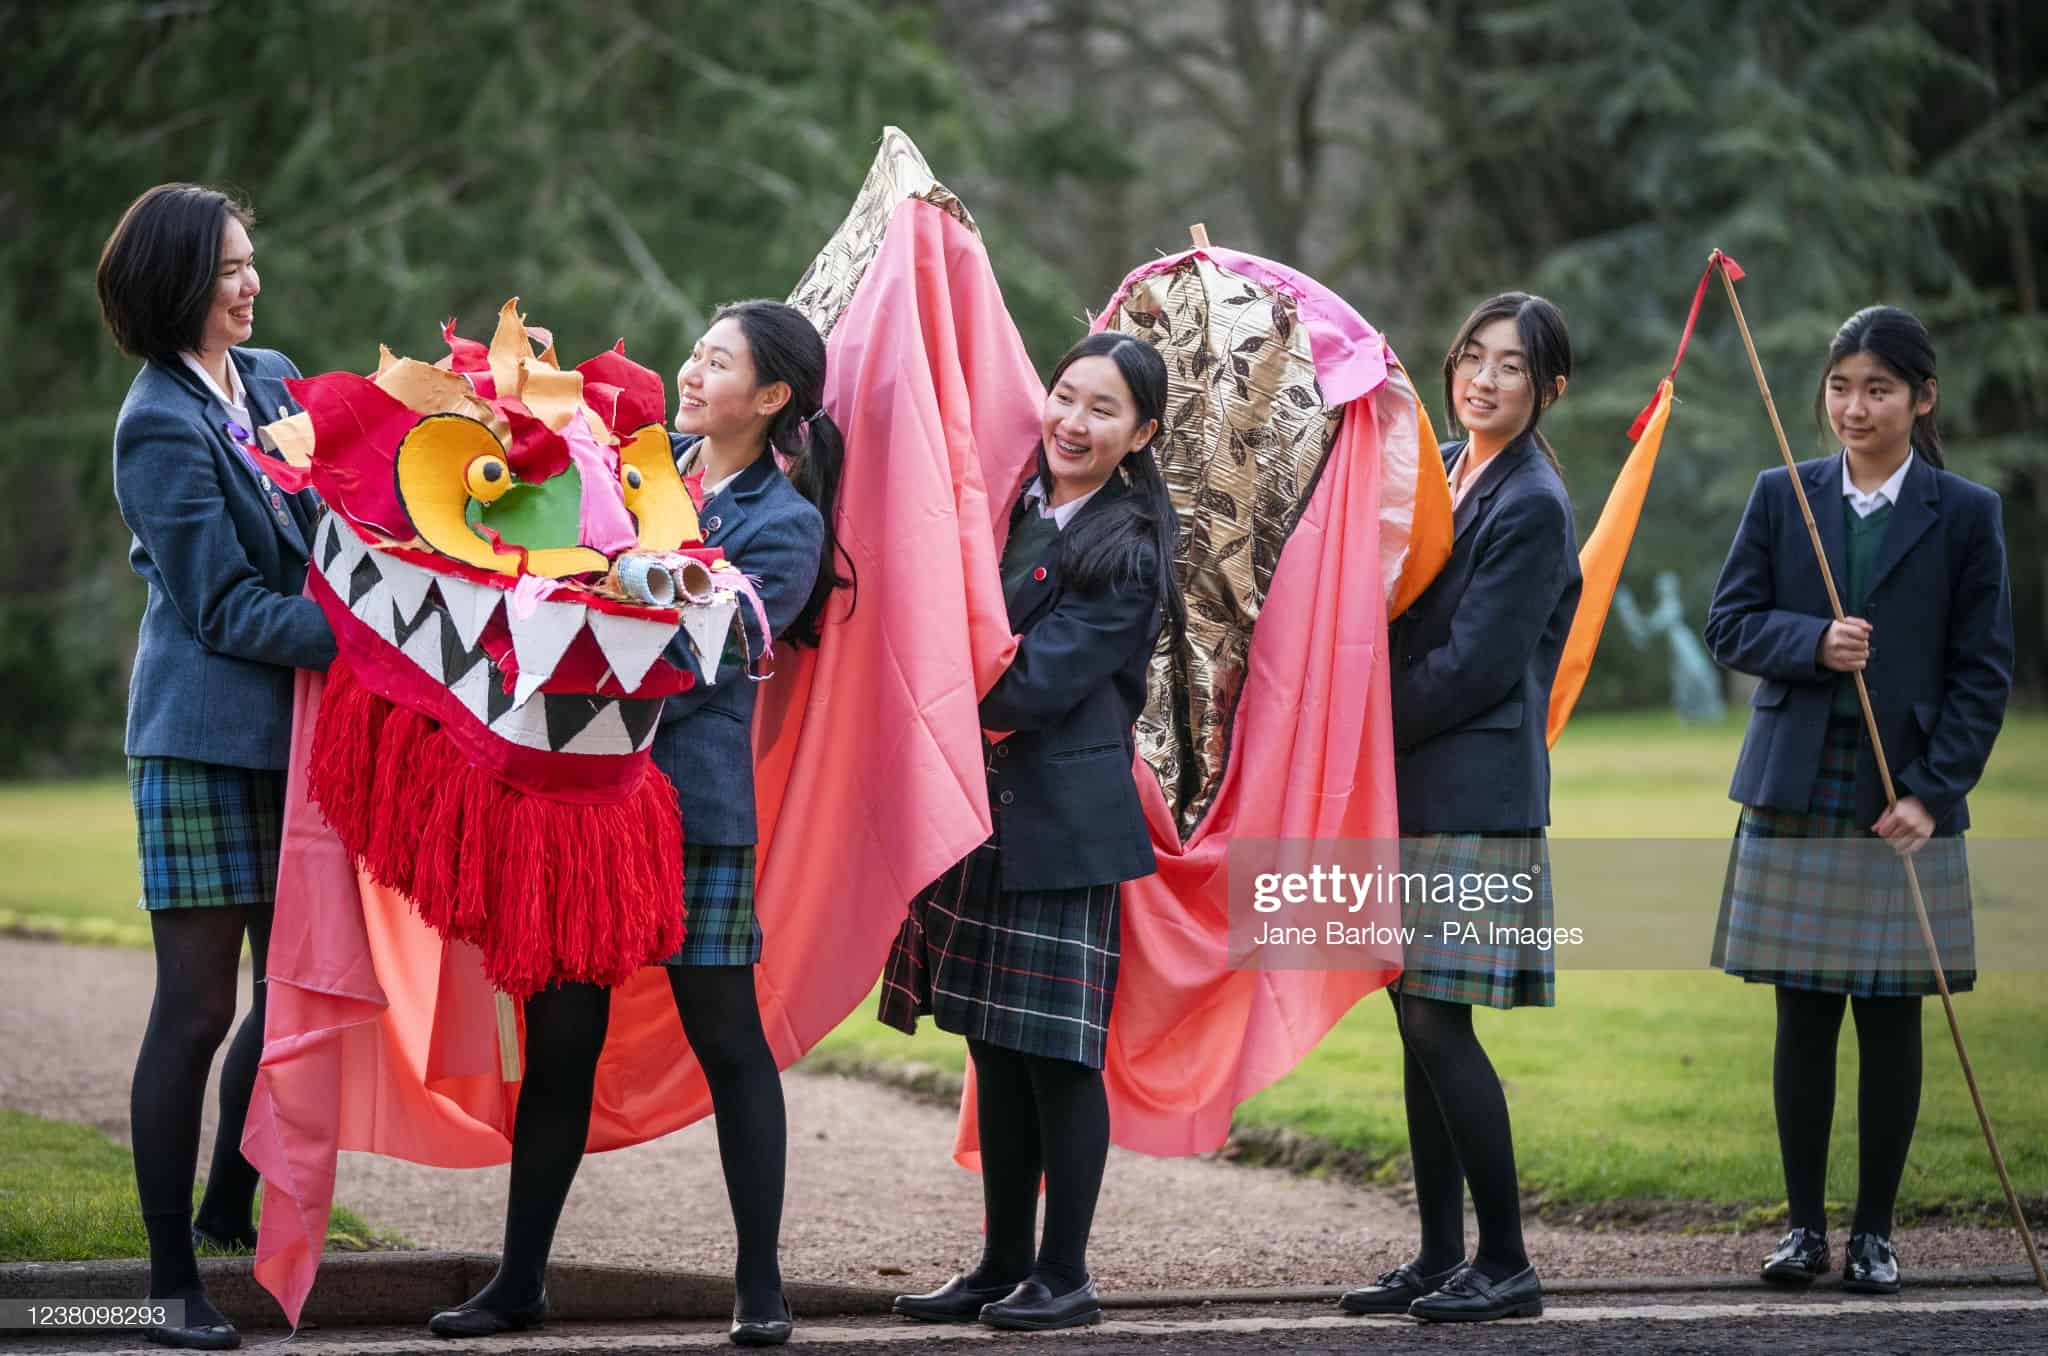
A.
x: 540, y: 639
x: 630, y: 645
x: 606, y: 733
x: 707, y: 626
x: 423, y: 648
x: 526, y: 723
x: 408, y: 584
x: 525, y: 686
x: 469, y: 606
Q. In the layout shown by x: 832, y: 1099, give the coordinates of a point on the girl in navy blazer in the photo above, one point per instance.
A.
x: 1473, y: 660
x: 1016, y: 947
x: 1814, y: 902
x: 750, y: 394
x: 223, y: 552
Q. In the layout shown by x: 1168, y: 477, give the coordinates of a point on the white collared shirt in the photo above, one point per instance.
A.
x: 1062, y: 515
x: 1887, y: 493
x: 689, y: 467
x: 236, y: 397
x: 1467, y: 475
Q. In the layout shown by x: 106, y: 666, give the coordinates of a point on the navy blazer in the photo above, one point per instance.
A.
x: 1473, y: 657
x: 773, y: 534
x: 226, y: 621
x: 1940, y: 610
x: 1060, y: 785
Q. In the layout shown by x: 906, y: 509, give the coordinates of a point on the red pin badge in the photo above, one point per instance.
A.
x: 1038, y: 573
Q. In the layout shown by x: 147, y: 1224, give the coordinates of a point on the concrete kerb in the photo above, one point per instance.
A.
x: 376, y: 1288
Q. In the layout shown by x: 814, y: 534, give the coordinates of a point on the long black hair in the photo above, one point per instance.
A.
x: 157, y: 270
x: 786, y: 347
x: 1129, y: 543
x: 1548, y: 346
x: 1897, y: 339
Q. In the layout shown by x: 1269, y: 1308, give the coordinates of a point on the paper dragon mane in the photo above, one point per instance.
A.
x: 508, y: 553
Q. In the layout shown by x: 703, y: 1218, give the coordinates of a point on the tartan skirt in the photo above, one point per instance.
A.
x: 206, y: 835
x: 719, y: 926
x: 1486, y: 957
x: 1028, y: 970
x: 1813, y: 900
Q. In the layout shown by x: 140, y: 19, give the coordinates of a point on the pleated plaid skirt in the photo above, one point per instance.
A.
x: 1814, y: 900
x: 719, y: 926
x: 206, y: 835
x: 1032, y: 971
x: 1496, y: 956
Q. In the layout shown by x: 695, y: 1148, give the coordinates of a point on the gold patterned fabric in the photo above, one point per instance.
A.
x: 1247, y: 434
x: 899, y: 172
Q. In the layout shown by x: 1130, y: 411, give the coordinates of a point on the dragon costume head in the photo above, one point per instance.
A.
x: 508, y: 554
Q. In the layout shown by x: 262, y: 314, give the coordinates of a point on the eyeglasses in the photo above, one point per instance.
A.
x: 1508, y: 374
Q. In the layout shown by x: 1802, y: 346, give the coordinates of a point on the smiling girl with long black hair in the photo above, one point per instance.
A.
x: 1016, y: 947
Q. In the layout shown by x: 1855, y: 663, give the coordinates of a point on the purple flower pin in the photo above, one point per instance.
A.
x: 234, y: 430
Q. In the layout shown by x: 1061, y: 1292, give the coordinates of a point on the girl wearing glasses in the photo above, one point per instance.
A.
x: 1473, y: 660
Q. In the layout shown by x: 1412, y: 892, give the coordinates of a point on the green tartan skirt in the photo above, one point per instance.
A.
x: 1814, y: 900
x: 719, y: 926
x: 206, y: 835
x: 1028, y: 970
x: 1479, y: 957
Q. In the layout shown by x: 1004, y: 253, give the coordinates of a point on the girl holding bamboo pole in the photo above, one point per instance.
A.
x: 1814, y: 902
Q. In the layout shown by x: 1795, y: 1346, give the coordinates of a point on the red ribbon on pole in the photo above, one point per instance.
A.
x: 1715, y: 260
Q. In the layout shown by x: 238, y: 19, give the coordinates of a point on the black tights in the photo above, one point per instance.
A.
x: 198, y: 962
x: 565, y: 1030
x: 1887, y: 1101
x: 1038, y: 1116
x: 1458, y: 1133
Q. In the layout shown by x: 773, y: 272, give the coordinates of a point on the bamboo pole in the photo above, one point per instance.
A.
x: 1200, y: 235
x: 508, y: 1036
x: 1891, y: 796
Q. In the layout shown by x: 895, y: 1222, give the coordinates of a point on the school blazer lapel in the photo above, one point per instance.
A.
x: 1038, y: 591
x: 240, y: 476
x: 1824, y: 497
x: 1491, y: 478
x: 1919, y: 505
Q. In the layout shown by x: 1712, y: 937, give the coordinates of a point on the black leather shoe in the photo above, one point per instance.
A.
x: 198, y: 1337
x: 1395, y: 1290
x: 1031, y: 1307
x: 1799, y: 1257
x: 763, y: 1332
x: 471, y: 1319
x: 1871, y: 1265
x: 954, y: 1302
x: 1470, y: 1297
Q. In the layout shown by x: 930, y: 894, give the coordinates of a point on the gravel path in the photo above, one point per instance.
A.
x: 873, y: 1197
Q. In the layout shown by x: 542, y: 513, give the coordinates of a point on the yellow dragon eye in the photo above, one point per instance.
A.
x: 487, y: 477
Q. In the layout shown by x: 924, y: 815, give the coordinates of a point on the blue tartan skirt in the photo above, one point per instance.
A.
x: 719, y: 926
x: 206, y: 835
x: 1493, y: 956
x: 1813, y: 900
x: 1032, y: 971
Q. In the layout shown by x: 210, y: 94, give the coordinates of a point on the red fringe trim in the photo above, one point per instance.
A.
x: 549, y: 891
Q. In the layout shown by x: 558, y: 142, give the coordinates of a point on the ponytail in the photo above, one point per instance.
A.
x: 786, y: 348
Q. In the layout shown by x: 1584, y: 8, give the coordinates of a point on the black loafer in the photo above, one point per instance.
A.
x: 1470, y: 1297
x: 1395, y: 1290
x: 1031, y: 1307
x: 1799, y: 1257
x: 763, y: 1332
x: 199, y: 1337
x: 477, y: 1320
x: 1871, y: 1265
x: 954, y: 1302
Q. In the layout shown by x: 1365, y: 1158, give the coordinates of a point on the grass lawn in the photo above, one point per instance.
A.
x: 67, y: 1194
x: 1639, y: 1085
x: 1655, y: 1085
